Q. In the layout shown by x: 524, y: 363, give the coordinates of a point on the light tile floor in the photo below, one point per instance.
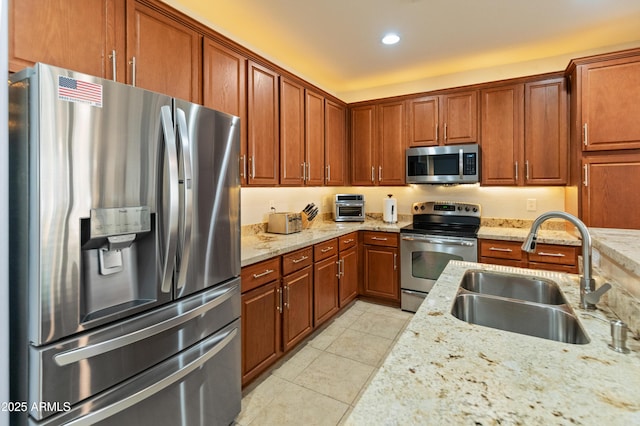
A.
x: 320, y: 381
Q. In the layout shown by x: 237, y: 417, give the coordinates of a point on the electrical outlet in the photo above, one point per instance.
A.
x: 272, y: 205
x: 532, y: 204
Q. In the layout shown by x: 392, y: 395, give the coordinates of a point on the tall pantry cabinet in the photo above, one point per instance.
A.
x: 605, y: 135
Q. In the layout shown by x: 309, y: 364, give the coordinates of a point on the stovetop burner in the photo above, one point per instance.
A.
x: 445, y: 218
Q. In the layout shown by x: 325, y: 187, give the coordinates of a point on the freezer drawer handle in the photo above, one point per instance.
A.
x: 75, y: 355
x: 140, y: 396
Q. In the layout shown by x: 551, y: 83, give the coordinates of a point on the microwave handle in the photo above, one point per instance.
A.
x: 461, y: 163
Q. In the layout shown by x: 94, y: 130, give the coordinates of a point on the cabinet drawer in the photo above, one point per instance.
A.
x: 555, y: 254
x: 387, y: 239
x: 253, y: 276
x: 297, y: 260
x: 325, y: 250
x: 501, y: 249
x: 347, y: 241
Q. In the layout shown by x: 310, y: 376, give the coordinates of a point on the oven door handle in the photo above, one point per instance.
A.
x: 444, y: 242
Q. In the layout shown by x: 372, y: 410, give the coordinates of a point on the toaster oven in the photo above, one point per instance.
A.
x: 349, y: 208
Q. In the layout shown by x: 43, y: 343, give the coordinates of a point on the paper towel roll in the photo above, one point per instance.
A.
x: 390, y: 211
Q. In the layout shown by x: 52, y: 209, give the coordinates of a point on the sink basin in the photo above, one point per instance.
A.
x: 513, y: 286
x: 546, y: 321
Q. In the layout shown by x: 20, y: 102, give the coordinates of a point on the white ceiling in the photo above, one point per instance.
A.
x: 336, y: 43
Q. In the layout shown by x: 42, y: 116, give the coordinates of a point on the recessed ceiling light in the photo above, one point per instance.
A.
x: 391, y: 38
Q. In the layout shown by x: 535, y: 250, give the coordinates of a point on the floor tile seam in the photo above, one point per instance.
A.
x: 349, y: 359
x: 373, y: 334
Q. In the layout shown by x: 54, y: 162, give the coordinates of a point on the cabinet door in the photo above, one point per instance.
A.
x: 423, y: 121
x: 260, y: 329
x: 610, y: 191
x: 224, y: 84
x: 391, y: 144
x: 363, y: 142
x: 297, y: 321
x: 460, y: 117
x: 263, y: 126
x: 502, y: 134
x: 81, y: 36
x: 325, y: 289
x: 348, y: 276
x: 164, y: 54
x: 314, y: 138
x: 381, y: 273
x: 335, y: 153
x: 546, y: 142
x: 292, y: 168
x: 609, y: 101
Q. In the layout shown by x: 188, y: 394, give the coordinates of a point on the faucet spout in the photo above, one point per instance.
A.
x: 587, y: 283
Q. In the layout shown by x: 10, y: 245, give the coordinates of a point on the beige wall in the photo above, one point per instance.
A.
x: 501, y: 202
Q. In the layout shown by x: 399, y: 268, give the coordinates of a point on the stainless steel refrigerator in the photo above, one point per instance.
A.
x: 125, y: 255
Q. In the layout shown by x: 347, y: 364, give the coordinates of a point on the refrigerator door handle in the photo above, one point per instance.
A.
x: 170, y: 241
x: 184, y: 242
x: 209, y: 348
x: 75, y: 355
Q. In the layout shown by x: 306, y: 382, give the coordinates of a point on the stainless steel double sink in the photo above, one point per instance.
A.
x: 521, y: 304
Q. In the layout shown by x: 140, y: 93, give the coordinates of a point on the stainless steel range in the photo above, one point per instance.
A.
x: 441, y: 231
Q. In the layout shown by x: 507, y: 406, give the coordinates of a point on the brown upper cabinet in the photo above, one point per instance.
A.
x: 378, y: 137
x: 263, y: 125
x: 524, y: 134
x: 85, y: 40
x: 301, y: 135
x: 335, y: 153
x: 292, y: 160
x: 443, y: 119
x: 224, y: 83
x: 163, y: 54
x: 314, y: 138
x: 608, y: 93
x: 130, y: 42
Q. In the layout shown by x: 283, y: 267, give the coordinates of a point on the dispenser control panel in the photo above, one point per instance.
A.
x: 120, y: 220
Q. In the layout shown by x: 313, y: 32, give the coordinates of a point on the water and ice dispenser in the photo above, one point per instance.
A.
x: 118, y: 261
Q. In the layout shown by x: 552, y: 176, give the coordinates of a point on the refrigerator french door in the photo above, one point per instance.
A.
x: 125, y: 257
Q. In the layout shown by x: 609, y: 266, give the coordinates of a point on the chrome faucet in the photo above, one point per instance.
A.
x: 588, y: 294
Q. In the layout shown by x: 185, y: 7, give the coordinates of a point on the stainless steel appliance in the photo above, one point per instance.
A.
x: 449, y: 164
x: 349, y: 208
x: 125, y: 258
x: 284, y: 223
x: 441, y: 231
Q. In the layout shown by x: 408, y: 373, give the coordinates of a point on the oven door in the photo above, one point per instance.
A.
x: 424, y: 257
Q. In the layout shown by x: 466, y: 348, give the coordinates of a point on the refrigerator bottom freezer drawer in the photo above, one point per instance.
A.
x: 198, y: 387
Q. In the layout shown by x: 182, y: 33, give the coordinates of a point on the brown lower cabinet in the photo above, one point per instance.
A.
x: 381, y: 275
x: 553, y: 257
x: 325, y: 281
x: 348, y: 268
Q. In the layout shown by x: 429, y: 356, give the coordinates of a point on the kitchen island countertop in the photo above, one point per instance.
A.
x: 445, y: 371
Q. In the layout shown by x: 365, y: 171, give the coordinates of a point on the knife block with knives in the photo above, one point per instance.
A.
x: 308, y: 214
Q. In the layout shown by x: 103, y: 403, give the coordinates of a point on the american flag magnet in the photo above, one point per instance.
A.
x: 72, y: 90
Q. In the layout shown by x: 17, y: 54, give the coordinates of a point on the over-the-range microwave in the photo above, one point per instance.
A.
x: 444, y: 164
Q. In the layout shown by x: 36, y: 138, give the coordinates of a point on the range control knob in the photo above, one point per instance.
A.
x: 415, y: 207
x: 475, y: 209
x: 422, y: 207
x: 459, y: 208
x: 466, y: 209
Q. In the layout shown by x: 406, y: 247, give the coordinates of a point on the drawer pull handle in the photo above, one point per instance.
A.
x: 379, y: 238
x: 350, y: 240
x: 324, y: 250
x: 542, y: 253
x: 267, y: 272
x: 303, y: 258
x: 500, y: 249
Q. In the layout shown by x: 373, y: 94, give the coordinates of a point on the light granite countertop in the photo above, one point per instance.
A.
x: 263, y: 245
x: 445, y: 371
x: 621, y: 245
